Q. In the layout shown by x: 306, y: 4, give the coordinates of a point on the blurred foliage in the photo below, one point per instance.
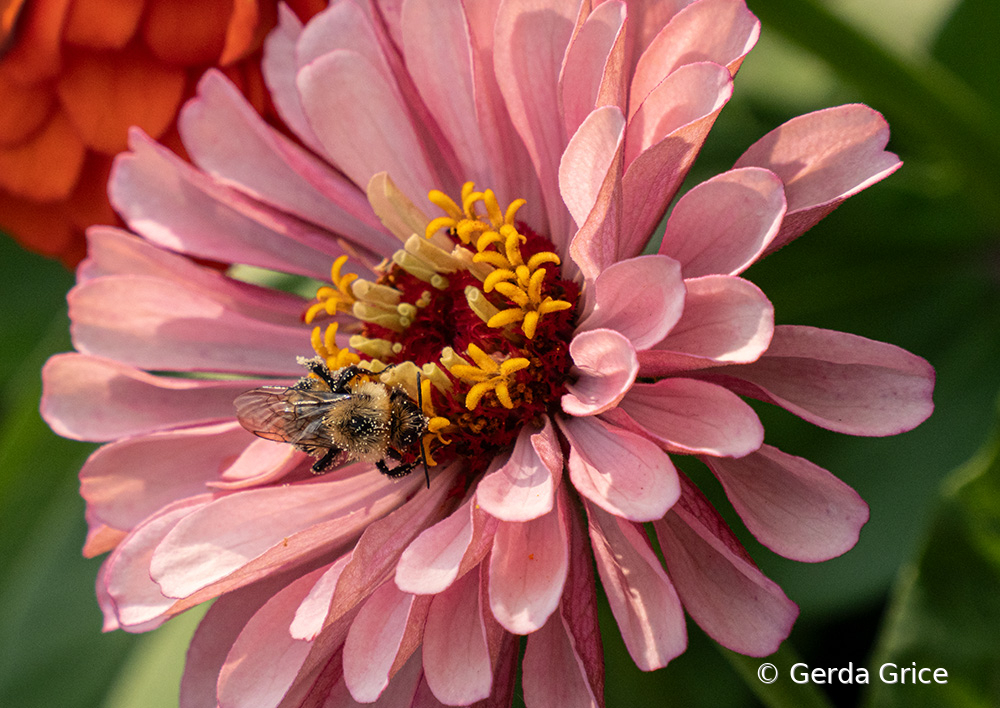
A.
x: 914, y: 261
x: 945, y: 610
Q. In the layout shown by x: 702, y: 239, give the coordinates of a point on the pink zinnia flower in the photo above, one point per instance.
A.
x: 559, y: 368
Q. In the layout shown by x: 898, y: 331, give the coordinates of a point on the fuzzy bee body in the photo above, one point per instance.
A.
x: 336, y: 419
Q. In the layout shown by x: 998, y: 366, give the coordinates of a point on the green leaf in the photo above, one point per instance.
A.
x: 945, y: 611
x: 927, y: 100
x: 967, y: 46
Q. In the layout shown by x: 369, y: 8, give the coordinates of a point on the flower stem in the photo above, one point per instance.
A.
x: 782, y: 692
x: 924, y: 98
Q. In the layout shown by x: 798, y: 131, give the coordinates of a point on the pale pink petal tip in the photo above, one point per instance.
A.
x: 606, y: 366
x: 823, y: 158
x: 838, y: 381
x: 720, y: 586
x: 621, y: 472
x: 792, y: 506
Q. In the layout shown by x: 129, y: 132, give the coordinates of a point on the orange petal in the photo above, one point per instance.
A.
x: 88, y: 204
x: 247, y: 77
x: 23, y: 110
x: 186, y: 32
x: 104, y: 94
x: 47, y: 166
x: 42, y: 228
x: 242, y: 33
x: 35, y: 54
x: 305, y: 9
x: 10, y: 13
x: 102, y: 24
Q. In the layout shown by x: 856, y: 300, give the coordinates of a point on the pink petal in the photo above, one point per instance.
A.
x: 312, y: 611
x: 442, y: 70
x: 172, y: 204
x: 578, y: 608
x: 280, y: 66
x: 551, y: 653
x: 508, y: 155
x: 214, y: 638
x: 101, y: 539
x: 524, y: 487
x: 170, y: 326
x: 723, y: 225
x: 374, y: 649
x: 139, y: 603
x: 528, y: 57
x: 359, y: 117
x: 792, y: 506
x: 342, y: 25
x: 445, y: 551
x: 725, y: 320
x: 721, y: 588
x: 605, y: 366
x: 619, y: 471
x: 130, y: 479
x: 838, y: 381
x: 642, y: 599
x: 720, y: 31
x: 228, y: 139
x: 690, y: 416
x: 528, y: 569
x: 261, y: 462
x: 645, y: 21
x: 401, y: 691
x: 87, y: 398
x: 234, y: 530
x: 596, y: 245
x: 592, y: 74
x: 456, y: 658
x: 642, y: 298
x: 588, y: 158
x: 265, y: 658
x: 111, y: 251
x: 823, y: 158
x: 662, y: 139
x: 377, y: 551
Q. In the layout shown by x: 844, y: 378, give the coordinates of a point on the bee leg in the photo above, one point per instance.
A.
x: 423, y: 453
x: 318, y: 368
x: 396, y: 472
x: 320, y: 466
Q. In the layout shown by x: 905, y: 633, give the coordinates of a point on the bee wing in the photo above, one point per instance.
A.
x: 287, y: 415
x: 263, y: 412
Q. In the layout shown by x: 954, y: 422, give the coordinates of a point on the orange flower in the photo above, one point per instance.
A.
x: 75, y: 74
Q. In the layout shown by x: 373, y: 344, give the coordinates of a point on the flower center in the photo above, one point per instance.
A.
x: 476, y: 310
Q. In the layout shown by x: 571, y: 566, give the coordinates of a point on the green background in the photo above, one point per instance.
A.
x: 914, y: 260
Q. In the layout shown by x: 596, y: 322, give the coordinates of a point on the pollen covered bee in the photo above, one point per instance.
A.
x: 340, y: 415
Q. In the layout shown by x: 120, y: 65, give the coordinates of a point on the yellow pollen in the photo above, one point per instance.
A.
x: 338, y: 298
x: 488, y: 375
x: 498, y: 246
x: 325, y: 344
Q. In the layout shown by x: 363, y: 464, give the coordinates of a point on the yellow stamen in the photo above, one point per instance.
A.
x: 512, y: 210
x: 506, y: 317
x: 492, y: 207
x: 446, y: 203
x: 325, y: 345
x: 442, y: 222
x: 541, y: 257
x: 498, y: 247
x: 514, y: 294
x: 338, y: 298
x: 488, y: 375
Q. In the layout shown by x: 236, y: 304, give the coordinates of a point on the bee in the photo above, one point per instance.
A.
x: 339, y: 416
